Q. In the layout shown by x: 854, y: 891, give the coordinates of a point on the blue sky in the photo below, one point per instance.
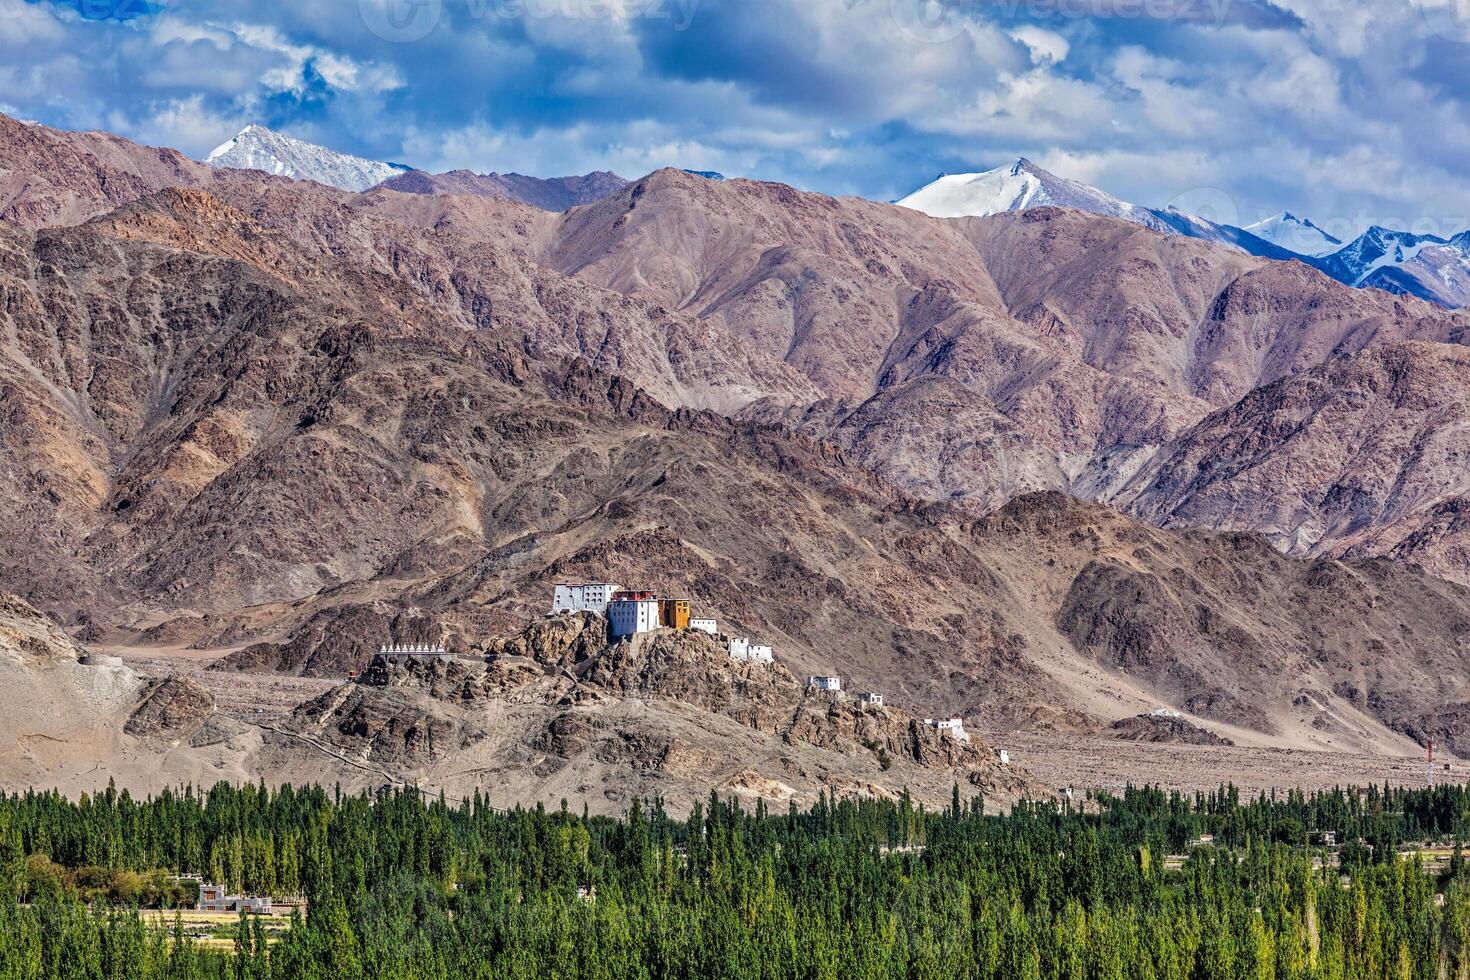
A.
x: 1350, y: 112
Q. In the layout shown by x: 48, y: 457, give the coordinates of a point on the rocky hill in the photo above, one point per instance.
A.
x: 559, y: 712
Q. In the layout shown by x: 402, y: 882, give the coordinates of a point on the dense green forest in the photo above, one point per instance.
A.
x: 399, y: 885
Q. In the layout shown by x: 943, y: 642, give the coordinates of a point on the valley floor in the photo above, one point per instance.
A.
x: 1085, y: 762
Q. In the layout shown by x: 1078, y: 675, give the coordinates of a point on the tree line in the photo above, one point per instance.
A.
x: 398, y: 884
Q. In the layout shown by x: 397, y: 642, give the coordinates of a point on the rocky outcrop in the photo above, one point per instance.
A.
x: 172, y: 710
x: 558, y: 696
x: 559, y: 641
x: 1170, y: 729
x: 29, y: 635
x: 339, y: 640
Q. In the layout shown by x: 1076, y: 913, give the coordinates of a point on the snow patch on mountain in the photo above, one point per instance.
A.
x: 1425, y: 266
x: 1375, y: 249
x: 258, y: 148
x: 1295, y: 234
x: 1017, y: 187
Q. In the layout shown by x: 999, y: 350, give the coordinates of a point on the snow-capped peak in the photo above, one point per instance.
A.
x: 1016, y: 187
x: 258, y: 148
x: 1377, y: 248
x: 1295, y: 234
x: 1420, y: 265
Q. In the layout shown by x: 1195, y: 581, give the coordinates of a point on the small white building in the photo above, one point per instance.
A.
x: 739, y: 648
x: 762, y: 654
x: 871, y: 698
x: 626, y: 617
x: 591, y: 597
x: 953, y: 727
x: 411, y: 651
x: 824, y: 683
x: 708, y: 625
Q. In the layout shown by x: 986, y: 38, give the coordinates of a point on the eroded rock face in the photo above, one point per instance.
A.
x: 559, y: 641
x: 27, y: 634
x: 393, y: 732
x: 1363, y: 456
x: 173, y: 709
x: 1141, y: 624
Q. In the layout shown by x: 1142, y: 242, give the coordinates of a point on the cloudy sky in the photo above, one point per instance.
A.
x: 1348, y: 111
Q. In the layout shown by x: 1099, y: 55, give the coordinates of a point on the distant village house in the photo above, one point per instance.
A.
x: 212, y: 898
x: 824, y: 683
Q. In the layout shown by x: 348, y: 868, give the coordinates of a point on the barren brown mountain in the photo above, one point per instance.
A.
x: 546, y: 193
x: 1089, y: 331
x: 1365, y: 455
x: 291, y: 423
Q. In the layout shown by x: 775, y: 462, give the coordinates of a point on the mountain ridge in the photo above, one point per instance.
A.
x: 1442, y: 276
x: 548, y: 194
x: 289, y: 420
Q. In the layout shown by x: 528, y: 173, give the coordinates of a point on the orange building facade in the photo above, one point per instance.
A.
x: 674, y: 613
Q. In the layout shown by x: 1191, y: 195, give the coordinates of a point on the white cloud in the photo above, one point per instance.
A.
x: 1357, y: 109
x: 631, y: 150
x: 337, y: 70
x: 1047, y: 47
x: 179, y: 122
